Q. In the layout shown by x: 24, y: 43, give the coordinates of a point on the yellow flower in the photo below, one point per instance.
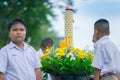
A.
x: 75, y: 50
x: 44, y: 56
x: 60, y: 54
x: 47, y: 50
x: 81, y: 54
x: 91, y: 56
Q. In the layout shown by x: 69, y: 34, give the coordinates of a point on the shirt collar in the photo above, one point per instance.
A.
x: 12, y: 45
x: 102, y: 38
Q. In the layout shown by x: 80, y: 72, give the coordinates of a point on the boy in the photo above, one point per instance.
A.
x: 18, y: 61
x: 106, y: 60
x: 46, y: 43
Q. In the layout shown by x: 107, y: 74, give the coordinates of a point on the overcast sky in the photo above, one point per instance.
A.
x: 87, y: 12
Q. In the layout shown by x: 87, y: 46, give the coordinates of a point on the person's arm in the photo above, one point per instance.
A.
x: 96, y: 74
x: 118, y: 76
x: 1, y: 76
x: 38, y: 74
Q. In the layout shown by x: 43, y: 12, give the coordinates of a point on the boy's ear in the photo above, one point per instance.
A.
x: 108, y: 33
x: 96, y: 31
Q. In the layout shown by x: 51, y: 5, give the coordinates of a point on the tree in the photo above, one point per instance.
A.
x: 34, y: 12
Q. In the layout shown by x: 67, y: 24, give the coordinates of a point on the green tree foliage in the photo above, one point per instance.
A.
x: 35, y: 13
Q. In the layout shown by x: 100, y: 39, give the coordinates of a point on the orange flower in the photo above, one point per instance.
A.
x: 62, y: 44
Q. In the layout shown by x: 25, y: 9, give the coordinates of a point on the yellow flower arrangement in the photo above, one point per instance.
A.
x: 67, y: 61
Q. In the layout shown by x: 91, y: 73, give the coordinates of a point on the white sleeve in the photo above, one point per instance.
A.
x: 3, y: 60
x: 98, y: 60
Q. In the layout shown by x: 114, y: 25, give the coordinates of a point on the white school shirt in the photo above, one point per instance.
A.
x: 106, y: 56
x: 17, y: 64
x: 39, y: 52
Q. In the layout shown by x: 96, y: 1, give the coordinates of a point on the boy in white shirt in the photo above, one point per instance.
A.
x: 19, y: 61
x: 106, y: 60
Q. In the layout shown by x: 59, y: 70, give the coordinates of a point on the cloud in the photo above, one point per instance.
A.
x: 99, y: 8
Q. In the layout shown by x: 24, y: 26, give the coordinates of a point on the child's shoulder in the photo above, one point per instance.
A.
x: 29, y: 46
x: 4, y: 48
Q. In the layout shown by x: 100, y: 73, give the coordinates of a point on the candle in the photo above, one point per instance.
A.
x: 69, y: 26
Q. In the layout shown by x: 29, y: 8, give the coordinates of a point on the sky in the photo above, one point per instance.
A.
x: 86, y: 13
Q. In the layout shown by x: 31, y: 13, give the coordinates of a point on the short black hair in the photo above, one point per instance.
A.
x: 45, y: 42
x: 15, y: 21
x: 102, y: 25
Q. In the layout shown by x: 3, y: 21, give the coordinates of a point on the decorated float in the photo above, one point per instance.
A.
x: 67, y: 62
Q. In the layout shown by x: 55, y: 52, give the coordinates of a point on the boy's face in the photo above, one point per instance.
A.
x: 94, y: 38
x: 96, y: 34
x: 49, y: 46
x: 17, y: 33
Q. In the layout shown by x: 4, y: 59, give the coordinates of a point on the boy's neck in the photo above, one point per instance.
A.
x: 19, y: 44
x: 102, y: 35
